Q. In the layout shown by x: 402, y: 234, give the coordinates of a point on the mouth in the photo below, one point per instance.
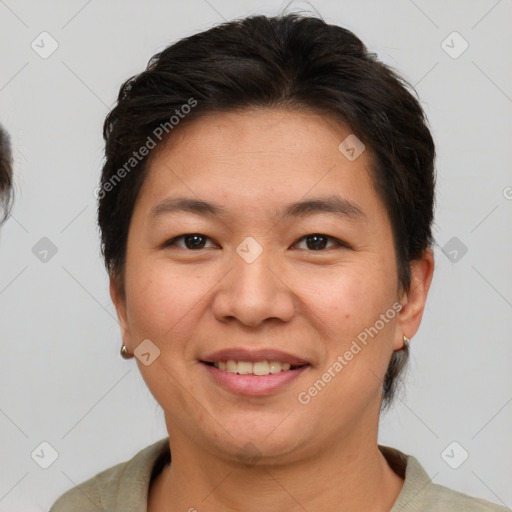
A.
x: 254, y: 372
x: 256, y: 368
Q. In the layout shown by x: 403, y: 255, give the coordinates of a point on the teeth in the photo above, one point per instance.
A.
x: 248, y: 368
x: 231, y: 366
x: 244, y: 368
x: 260, y: 368
x: 274, y: 366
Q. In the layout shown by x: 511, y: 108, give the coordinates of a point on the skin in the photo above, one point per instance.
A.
x: 311, y: 303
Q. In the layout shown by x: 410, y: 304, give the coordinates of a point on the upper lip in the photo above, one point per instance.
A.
x: 262, y: 354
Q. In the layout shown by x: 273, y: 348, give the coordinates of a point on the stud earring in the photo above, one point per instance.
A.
x: 124, y: 353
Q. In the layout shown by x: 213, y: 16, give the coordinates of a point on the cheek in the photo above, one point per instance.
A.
x: 358, y: 342
x: 348, y: 300
x: 161, y: 300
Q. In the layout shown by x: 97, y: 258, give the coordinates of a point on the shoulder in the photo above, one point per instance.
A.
x: 420, y: 494
x: 123, y: 485
x: 440, y: 499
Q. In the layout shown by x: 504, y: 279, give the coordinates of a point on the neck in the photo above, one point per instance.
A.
x: 351, y: 474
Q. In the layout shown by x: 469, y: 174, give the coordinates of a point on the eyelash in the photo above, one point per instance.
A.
x: 340, y: 243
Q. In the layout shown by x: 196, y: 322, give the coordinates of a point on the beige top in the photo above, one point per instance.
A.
x: 124, y: 487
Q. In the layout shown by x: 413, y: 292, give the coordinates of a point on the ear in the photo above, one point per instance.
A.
x: 118, y: 298
x: 413, y: 300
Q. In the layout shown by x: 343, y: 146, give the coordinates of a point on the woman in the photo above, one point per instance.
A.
x: 266, y: 207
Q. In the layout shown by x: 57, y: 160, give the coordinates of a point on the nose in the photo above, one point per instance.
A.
x: 253, y: 293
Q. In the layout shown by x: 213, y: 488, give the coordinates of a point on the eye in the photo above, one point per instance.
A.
x: 318, y: 241
x: 197, y: 241
x: 192, y: 241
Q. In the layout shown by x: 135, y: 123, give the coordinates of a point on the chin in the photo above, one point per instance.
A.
x: 265, y: 441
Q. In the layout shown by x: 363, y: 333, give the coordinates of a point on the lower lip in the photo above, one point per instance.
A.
x: 254, y: 385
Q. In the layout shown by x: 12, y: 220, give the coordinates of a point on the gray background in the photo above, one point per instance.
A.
x: 62, y: 380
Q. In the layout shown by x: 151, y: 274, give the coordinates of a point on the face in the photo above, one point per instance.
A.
x: 291, y: 264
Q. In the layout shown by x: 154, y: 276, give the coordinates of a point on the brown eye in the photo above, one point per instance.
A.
x: 318, y: 241
x: 192, y: 241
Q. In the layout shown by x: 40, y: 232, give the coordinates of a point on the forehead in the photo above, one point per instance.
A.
x: 260, y: 157
x: 254, y: 131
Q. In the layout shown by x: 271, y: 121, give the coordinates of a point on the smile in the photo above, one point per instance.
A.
x: 257, y: 378
x: 260, y: 368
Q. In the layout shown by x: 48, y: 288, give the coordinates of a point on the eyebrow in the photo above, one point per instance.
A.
x: 333, y: 204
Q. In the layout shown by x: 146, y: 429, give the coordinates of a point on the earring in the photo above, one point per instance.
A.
x: 124, y: 353
x: 406, y: 343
